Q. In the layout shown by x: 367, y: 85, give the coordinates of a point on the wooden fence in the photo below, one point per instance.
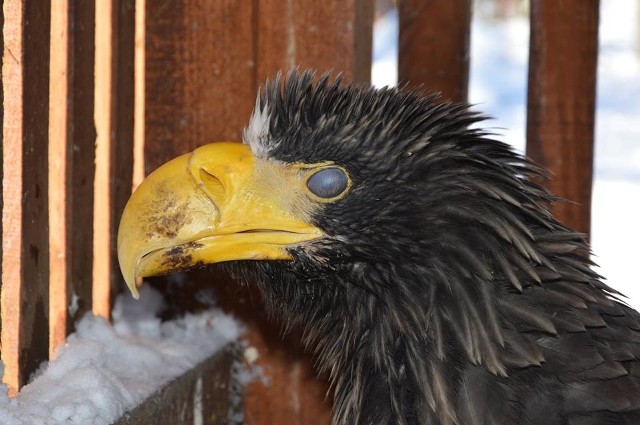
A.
x: 91, y: 104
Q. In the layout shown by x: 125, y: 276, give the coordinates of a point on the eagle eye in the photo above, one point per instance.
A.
x: 328, y: 183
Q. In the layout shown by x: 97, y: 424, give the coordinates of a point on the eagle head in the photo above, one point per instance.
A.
x: 413, y: 250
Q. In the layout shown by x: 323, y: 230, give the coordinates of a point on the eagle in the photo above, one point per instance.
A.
x: 416, y: 254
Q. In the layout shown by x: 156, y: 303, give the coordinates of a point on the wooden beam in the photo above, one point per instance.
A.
x: 561, y: 101
x: 58, y: 162
x: 139, y: 123
x: 433, y: 50
x: 102, y: 226
x: 199, y: 75
x: 25, y: 243
x: 122, y: 144
x: 81, y: 171
x: 1, y: 161
x: 325, y: 36
x: 114, y: 148
x: 240, y: 44
x: 71, y: 160
x: 200, y: 396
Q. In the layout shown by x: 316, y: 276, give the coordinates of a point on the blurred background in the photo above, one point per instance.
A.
x: 498, y: 87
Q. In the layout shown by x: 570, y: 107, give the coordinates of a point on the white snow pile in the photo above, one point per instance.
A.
x: 104, y: 370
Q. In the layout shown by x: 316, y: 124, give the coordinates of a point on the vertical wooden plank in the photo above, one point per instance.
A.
x: 12, y: 146
x: 71, y: 165
x: 433, y: 50
x: 102, y: 227
x: 203, y: 63
x: 139, y: 90
x: 332, y: 35
x: 57, y: 162
x: 35, y: 250
x: 114, y: 147
x: 561, y: 101
x: 1, y: 158
x: 25, y: 259
x: 122, y: 144
x: 184, y: 40
x: 199, y: 75
x: 81, y: 143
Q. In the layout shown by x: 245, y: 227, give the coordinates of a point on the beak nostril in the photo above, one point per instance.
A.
x: 212, y: 185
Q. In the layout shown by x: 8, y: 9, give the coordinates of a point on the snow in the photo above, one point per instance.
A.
x: 497, y: 86
x: 104, y: 370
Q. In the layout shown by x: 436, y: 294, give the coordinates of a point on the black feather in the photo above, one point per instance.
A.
x: 444, y: 291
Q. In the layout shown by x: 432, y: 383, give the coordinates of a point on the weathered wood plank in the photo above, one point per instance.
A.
x: 35, y: 249
x: 102, y: 227
x: 58, y: 162
x: 25, y: 279
x: 332, y: 35
x: 139, y: 93
x: 561, y: 101
x: 114, y: 148
x: 433, y: 50
x: 12, y: 146
x: 81, y: 145
x: 200, y: 396
x: 71, y: 160
x: 199, y: 75
x: 1, y: 157
x: 122, y: 105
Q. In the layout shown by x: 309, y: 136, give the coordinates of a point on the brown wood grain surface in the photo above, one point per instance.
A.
x: 325, y: 36
x: 102, y: 227
x: 25, y: 278
x: 81, y: 143
x: 200, y: 396
x: 58, y: 159
x: 71, y: 162
x: 122, y: 107
x: 561, y: 101
x: 199, y: 75
x: 1, y: 159
x: 204, y: 62
x: 11, y: 188
x: 115, y: 46
x: 433, y: 50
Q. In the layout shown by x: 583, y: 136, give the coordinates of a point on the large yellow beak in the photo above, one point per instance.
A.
x: 218, y: 203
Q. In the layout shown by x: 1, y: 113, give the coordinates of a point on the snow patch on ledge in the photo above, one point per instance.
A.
x: 104, y: 370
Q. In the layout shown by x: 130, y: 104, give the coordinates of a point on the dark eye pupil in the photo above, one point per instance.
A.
x: 328, y: 183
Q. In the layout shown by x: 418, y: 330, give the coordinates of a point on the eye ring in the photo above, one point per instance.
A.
x: 328, y: 183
